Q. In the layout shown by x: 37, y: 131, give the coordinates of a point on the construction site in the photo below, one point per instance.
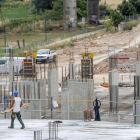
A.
x: 64, y: 87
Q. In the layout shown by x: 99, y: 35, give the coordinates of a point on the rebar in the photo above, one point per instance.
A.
x: 53, y: 130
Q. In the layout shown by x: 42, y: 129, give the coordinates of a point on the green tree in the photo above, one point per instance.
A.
x: 136, y: 4
x: 81, y: 8
x: 41, y: 5
x: 127, y: 8
x: 116, y: 18
x: 109, y: 24
x: 58, y: 6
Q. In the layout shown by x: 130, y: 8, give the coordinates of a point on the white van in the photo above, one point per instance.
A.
x: 18, y: 65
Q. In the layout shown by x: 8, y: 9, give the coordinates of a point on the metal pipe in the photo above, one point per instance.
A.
x: 51, y: 107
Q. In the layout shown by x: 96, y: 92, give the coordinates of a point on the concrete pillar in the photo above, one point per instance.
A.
x: 113, y: 96
x: 52, y: 85
x: 43, y: 96
x: 71, y: 70
x: 91, y: 95
x: 70, y: 11
x: 92, y: 8
x: 11, y: 73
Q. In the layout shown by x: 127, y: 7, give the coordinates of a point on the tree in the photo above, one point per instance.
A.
x: 109, y: 24
x: 127, y: 8
x: 116, y: 18
x: 41, y: 5
x: 58, y: 6
x: 136, y: 4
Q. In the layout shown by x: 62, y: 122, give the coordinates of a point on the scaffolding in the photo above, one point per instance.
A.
x: 123, y: 59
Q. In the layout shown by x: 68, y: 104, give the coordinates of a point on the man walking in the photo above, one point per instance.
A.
x: 16, y: 104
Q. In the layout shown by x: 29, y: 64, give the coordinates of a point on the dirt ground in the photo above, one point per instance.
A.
x: 99, y: 47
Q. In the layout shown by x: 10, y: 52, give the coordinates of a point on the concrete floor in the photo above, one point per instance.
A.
x: 71, y: 130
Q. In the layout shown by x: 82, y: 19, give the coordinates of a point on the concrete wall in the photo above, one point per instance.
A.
x: 92, y: 7
x: 52, y: 85
x: 43, y: 95
x: 32, y: 90
x: 74, y: 90
x: 70, y: 11
x: 138, y: 68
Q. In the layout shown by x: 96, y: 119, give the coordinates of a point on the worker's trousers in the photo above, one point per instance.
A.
x: 18, y: 117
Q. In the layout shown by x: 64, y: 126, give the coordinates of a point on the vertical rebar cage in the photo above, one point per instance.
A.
x: 53, y: 130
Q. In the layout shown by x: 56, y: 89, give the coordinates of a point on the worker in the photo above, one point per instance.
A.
x: 16, y: 104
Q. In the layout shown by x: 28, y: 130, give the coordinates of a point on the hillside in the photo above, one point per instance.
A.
x: 114, y: 3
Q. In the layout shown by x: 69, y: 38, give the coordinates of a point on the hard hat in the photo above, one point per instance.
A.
x: 15, y: 93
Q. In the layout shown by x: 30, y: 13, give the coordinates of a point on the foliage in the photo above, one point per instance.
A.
x: 58, y: 6
x: 10, y: 13
x: 109, y: 24
x: 136, y: 3
x: 106, y: 8
x: 81, y: 8
x: 131, y: 24
x: 127, y: 8
x: 116, y: 18
x: 15, y: 4
x: 41, y: 5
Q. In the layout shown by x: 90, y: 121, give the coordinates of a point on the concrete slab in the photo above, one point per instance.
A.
x: 71, y: 130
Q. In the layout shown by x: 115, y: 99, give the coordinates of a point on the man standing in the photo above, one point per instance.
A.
x: 16, y: 104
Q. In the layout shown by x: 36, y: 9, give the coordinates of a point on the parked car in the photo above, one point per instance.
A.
x: 45, y: 55
x: 18, y: 65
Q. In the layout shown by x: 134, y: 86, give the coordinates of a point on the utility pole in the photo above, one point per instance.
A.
x: 5, y: 39
x: 45, y: 32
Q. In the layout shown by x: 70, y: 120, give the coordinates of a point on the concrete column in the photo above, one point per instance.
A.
x: 43, y: 96
x: 11, y: 74
x: 71, y: 70
x: 92, y: 8
x: 113, y: 96
x: 70, y: 11
x: 52, y: 85
x: 91, y: 95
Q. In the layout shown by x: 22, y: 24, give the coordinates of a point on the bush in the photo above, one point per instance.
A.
x: 17, y: 4
x: 109, y: 24
x: 131, y: 24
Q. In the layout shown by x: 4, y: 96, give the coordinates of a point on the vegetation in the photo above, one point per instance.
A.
x: 133, y: 23
x: 109, y: 24
x: 104, y: 7
x: 127, y: 8
x: 13, y: 13
x: 116, y: 18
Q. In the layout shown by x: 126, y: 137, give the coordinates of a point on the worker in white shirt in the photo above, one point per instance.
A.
x: 16, y: 104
